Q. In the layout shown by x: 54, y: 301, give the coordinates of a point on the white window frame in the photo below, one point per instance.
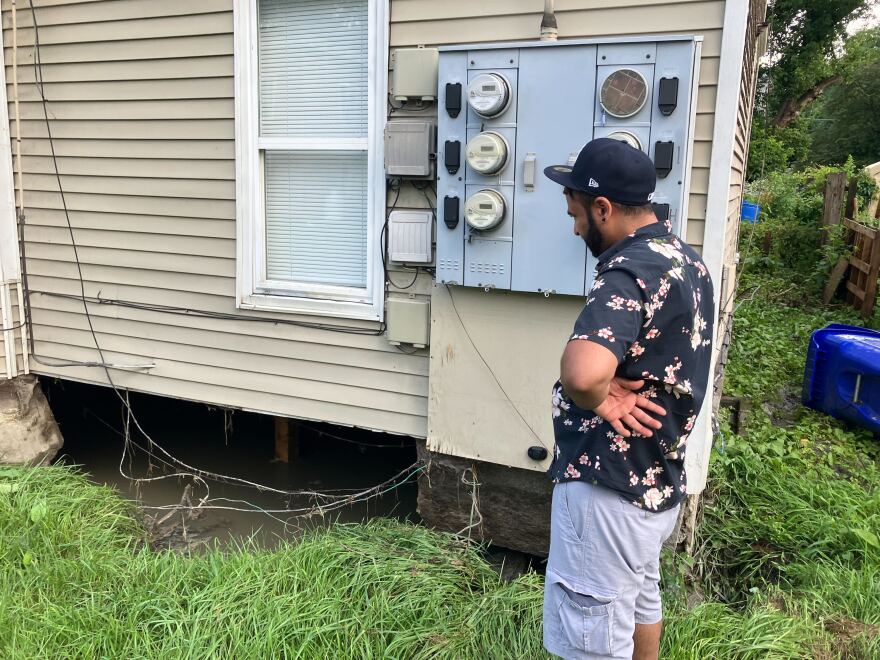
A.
x: 253, y: 290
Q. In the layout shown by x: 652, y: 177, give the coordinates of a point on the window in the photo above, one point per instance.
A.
x: 310, y: 105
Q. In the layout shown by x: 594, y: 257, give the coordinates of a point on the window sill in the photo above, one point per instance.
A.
x: 362, y: 311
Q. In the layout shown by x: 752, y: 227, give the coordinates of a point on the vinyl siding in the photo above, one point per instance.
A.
x: 141, y: 102
x: 142, y: 116
x: 745, y: 110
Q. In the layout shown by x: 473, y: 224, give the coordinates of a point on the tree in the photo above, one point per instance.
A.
x: 844, y: 121
x: 805, y: 52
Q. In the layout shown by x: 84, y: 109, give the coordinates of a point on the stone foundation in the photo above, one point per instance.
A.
x: 28, y: 432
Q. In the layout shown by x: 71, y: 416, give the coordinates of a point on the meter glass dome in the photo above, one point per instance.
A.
x: 484, y: 209
x: 626, y: 136
x: 488, y: 94
x: 624, y: 93
x: 486, y: 153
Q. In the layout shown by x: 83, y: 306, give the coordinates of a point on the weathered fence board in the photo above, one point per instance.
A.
x: 863, y: 266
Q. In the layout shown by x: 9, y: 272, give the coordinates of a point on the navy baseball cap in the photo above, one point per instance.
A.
x: 609, y: 168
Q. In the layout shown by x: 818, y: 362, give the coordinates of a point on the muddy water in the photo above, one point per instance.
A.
x: 231, y: 443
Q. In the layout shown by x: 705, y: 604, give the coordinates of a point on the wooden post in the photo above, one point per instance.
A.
x: 286, y: 440
x: 870, y: 299
x: 835, y: 185
x: 851, y: 209
x: 834, y: 279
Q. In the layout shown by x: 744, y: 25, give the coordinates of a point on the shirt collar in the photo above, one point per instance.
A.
x: 653, y: 230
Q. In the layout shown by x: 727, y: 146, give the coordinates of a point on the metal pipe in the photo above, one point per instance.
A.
x: 548, y: 22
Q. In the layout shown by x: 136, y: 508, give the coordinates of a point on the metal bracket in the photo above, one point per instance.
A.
x: 529, y: 172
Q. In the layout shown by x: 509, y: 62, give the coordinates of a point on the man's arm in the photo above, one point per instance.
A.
x: 586, y: 372
x: 588, y: 378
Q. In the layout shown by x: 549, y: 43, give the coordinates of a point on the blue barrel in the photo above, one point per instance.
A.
x: 842, y: 374
x: 750, y: 212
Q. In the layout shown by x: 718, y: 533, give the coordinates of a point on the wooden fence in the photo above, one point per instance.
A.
x: 862, y: 268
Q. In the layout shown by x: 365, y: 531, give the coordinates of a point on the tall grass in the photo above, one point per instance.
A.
x: 78, y: 581
x: 787, y: 565
x: 791, y: 519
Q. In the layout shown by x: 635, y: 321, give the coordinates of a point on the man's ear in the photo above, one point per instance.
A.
x: 602, y: 206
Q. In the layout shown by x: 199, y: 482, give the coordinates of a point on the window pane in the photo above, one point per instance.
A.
x: 313, y: 59
x: 316, y: 217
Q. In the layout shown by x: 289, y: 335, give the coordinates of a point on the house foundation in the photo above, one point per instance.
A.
x: 29, y: 434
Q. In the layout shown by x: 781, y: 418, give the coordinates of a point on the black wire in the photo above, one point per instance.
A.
x: 491, y: 371
x: 383, y: 240
x: 122, y: 303
x: 200, y: 313
x: 85, y: 299
x: 384, y: 234
x: 13, y: 327
x: 401, y: 108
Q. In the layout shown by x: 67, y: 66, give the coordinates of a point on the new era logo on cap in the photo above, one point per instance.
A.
x: 593, y: 183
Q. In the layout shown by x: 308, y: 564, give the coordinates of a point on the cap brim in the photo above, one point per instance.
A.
x: 561, y: 174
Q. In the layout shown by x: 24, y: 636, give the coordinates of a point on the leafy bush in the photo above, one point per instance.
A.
x: 790, y: 536
x: 790, y: 235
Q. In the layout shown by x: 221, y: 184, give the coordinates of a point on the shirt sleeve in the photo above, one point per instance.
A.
x: 614, y: 313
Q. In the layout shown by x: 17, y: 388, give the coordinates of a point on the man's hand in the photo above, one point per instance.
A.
x: 624, y: 406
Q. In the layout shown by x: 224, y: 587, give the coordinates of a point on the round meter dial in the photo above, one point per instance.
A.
x: 489, y: 94
x: 486, y: 153
x: 484, y: 209
x: 626, y: 136
x: 624, y: 93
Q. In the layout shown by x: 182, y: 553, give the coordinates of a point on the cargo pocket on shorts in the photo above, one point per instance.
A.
x: 586, y: 620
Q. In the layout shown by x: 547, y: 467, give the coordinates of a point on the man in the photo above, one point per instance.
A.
x: 633, y: 378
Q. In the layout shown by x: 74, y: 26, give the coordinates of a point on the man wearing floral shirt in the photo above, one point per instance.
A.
x: 634, y: 374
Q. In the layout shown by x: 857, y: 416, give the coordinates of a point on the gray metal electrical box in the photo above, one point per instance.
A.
x: 409, y: 148
x: 409, y: 236
x: 414, y: 74
x: 408, y: 321
x: 505, y: 112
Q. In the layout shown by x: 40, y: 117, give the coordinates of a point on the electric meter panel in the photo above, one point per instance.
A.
x: 487, y: 153
x: 488, y: 94
x: 506, y: 112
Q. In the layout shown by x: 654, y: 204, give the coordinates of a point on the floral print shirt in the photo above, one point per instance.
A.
x: 651, y: 305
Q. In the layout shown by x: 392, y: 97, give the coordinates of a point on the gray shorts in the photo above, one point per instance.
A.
x: 603, y: 573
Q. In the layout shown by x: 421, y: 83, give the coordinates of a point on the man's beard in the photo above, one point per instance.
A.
x: 594, y: 238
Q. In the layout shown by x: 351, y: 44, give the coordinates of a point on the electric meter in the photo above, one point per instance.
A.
x: 489, y: 94
x: 626, y: 136
x: 486, y: 153
x: 624, y: 93
x: 484, y: 209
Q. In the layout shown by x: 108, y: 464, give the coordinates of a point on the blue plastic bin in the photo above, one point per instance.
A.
x: 842, y: 374
x: 750, y: 212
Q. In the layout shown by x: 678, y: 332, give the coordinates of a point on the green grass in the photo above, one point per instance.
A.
x: 787, y: 562
x: 78, y: 581
x: 791, y: 518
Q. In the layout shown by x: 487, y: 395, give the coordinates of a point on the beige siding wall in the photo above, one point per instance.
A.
x: 141, y: 108
x: 142, y: 114
x: 415, y: 22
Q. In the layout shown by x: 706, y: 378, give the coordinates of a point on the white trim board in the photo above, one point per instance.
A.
x: 253, y: 291
x: 10, y: 257
x: 10, y: 266
x: 736, y: 14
